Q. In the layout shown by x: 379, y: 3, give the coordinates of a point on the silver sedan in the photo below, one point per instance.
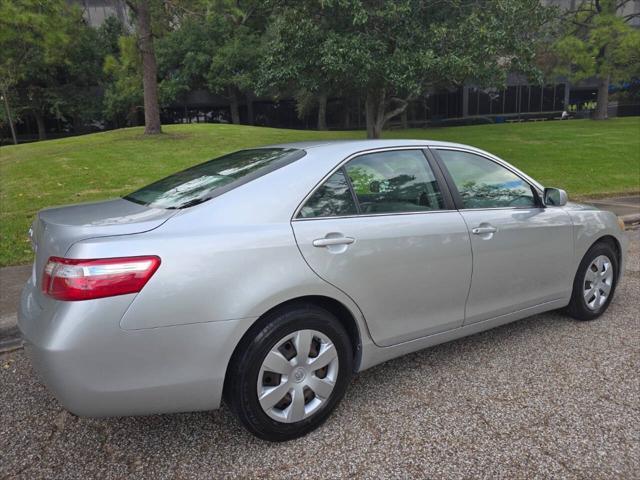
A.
x: 267, y: 277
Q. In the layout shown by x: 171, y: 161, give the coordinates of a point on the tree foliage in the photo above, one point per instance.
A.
x: 386, y: 52
x: 51, y: 62
x: 33, y: 35
x: 394, y: 51
x: 34, y: 38
x: 598, y: 41
x: 123, y: 96
x: 215, y: 46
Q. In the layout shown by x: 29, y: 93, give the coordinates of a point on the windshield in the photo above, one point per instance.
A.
x: 210, y: 179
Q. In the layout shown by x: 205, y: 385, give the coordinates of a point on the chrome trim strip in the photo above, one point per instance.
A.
x: 423, y: 212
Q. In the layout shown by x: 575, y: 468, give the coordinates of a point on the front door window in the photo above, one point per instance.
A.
x: 483, y: 183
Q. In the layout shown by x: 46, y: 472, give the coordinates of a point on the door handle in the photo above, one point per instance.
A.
x: 483, y: 230
x: 327, y: 242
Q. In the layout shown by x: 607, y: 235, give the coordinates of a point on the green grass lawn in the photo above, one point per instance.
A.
x: 586, y: 158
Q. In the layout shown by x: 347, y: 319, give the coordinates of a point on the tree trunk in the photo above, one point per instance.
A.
x: 379, y: 119
x: 374, y: 108
x: 42, y: 132
x: 149, y: 70
x: 378, y: 125
x: 602, y: 108
x: 233, y: 105
x: 376, y: 111
x: 346, y: 122
x: 369, y: 112
x: 9, y: 118
x: 322, y: 111
x: 567, y: 96
x: 250, y: 115
x: 404, y: 120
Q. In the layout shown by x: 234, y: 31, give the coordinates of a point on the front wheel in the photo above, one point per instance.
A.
x: 290, y: 373
x: 595, y: 283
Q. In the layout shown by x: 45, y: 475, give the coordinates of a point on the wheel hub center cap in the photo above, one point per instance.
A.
x: 299, y: 374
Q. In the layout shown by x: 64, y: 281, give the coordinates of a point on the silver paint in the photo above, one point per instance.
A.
x: 404, y: 279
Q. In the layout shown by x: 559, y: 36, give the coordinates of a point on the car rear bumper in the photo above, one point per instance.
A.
x: 95, y: 368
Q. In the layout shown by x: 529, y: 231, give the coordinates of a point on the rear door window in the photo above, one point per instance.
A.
x: 398, y: 181
x: 333, y: 198
x: 394, y: 182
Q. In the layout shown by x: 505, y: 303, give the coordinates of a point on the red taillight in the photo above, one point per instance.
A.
x: 71, y: 279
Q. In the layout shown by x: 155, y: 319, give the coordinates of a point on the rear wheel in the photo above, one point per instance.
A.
x: 291, y: 372
x: 595, y: 282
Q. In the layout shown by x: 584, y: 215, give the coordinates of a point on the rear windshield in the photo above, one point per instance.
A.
x: 215, y: 177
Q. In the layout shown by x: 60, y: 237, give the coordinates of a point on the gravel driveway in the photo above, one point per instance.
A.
x: 543, y: 397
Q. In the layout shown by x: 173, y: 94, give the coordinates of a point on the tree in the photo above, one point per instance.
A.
x: 289, y: 66
x: 142, y: 10
x: 598, y: 41
x: 237, y: 30
x: 51, y: 63
x: 216, y: 46
x: 34, y: 36
x: 76, y: 90
x: 123, y: 95
x: 394, y: 51
x: 232, y: 68
x: 184, y: 56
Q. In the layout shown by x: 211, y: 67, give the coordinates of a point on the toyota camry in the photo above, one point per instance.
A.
x: 267, y: 277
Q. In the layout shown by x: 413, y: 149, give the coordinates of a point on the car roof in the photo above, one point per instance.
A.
x: 365, y: 144
x: 350, y: 147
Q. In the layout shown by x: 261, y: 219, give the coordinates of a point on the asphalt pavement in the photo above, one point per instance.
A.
x: 545, y: 397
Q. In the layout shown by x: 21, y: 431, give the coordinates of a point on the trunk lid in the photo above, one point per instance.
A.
x: 55, y: 229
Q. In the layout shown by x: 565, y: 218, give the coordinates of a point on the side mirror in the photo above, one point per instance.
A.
x: 554, y: 197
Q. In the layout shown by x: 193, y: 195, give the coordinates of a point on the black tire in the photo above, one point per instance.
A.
x: 240, y: 391
x: 577, y: 307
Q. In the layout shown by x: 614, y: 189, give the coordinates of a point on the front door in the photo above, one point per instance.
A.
x: 381, y: 230
x: 522, y: 251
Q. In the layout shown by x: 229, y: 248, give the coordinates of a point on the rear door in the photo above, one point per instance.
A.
x: 383, y: 229
x: 522, y: 251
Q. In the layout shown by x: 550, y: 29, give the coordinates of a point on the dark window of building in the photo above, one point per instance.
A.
x: 473, y: 101
x: 497, y: 100
x: 547, y: 99
x: 524, y: 99
x: 483, y: 107
x: 511, y: 100
x: 536, y: 99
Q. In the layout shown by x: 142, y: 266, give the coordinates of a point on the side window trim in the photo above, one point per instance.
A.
x: 451, y: 186
x: 441, y: 180
x: 343, y: 169
x: 453, y: 189
x: 430, y: 161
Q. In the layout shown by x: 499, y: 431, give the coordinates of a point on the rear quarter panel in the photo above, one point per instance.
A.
x: 230, y: 258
